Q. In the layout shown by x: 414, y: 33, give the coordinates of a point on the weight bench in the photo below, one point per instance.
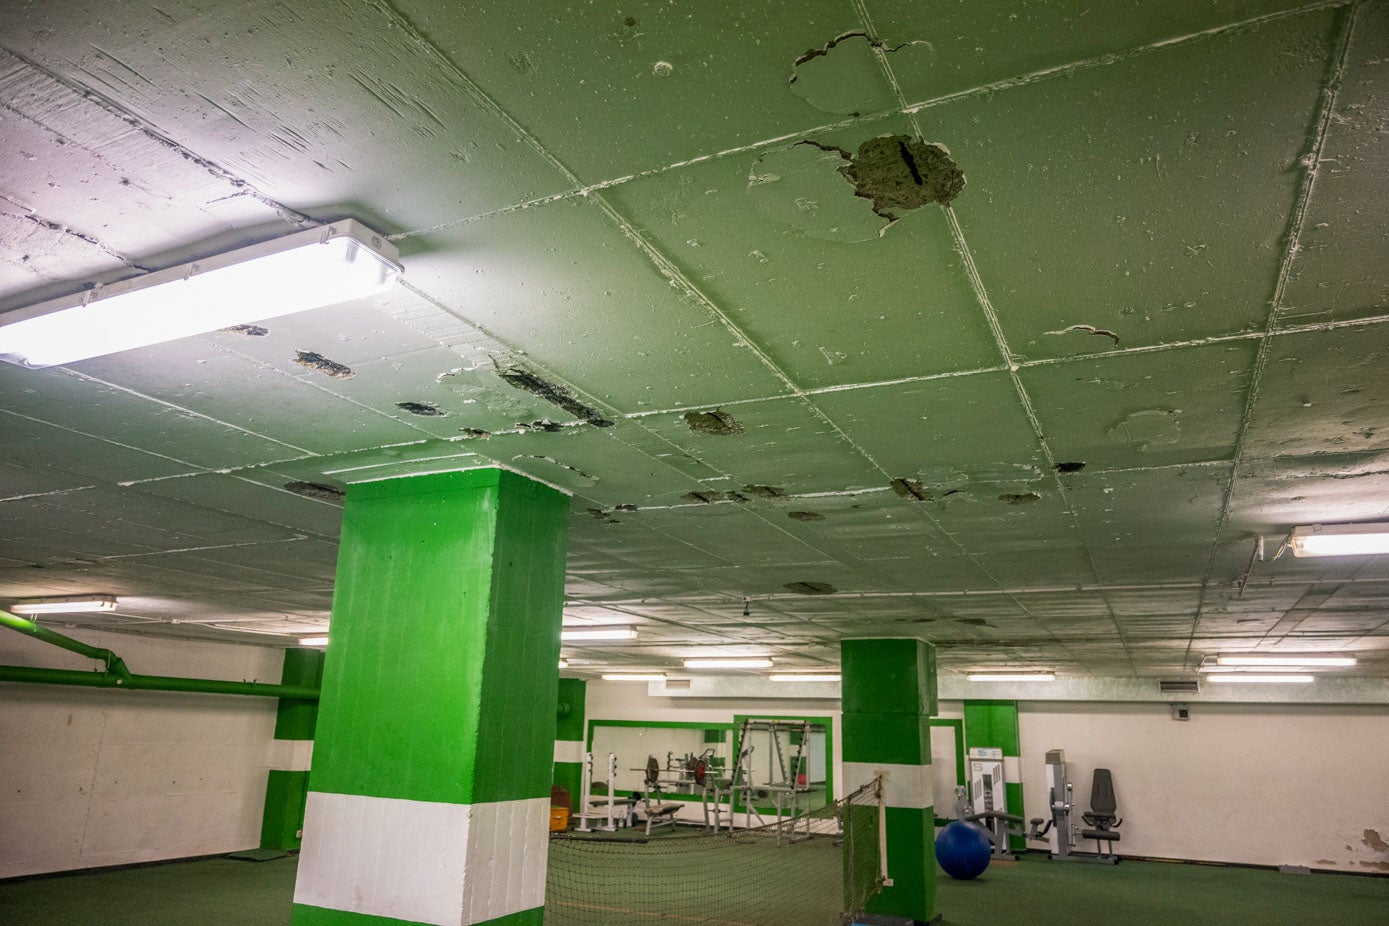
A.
x: 997, y: 827
x: 660, y: 815
x: 1101, y: 817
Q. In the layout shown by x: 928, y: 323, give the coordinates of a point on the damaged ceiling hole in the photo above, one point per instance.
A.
x: 1019, y: 498
x: 899, y: 172
x: 556, y: 395
x: 810, y: 588
x: 1071, y: 466
x: 251, y: 331
x: 318, y: 490
x: 472, y: 433
x: 805, y: 516
x: 765, y: 491
x: 423, y: 409
x: 604, y: 516
x: 321, y: 364
x: 716, y: 422
x: 542, y: 424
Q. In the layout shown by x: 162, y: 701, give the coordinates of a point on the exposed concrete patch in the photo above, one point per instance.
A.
x: 810, y: 588
x: 910, y: 488
x: 708, y: 497
x: 472, y: 434
x: 973, y: 621
x: 541, y: 424
x: 251, y: 331
x: 323, y: 365
x: 624, y: 507
x: 843, y: 76
x: 1373, y: 840
x: 1088, y: 329
x: 557, y: 395
x: 892, y: 173
x: 1153, y: 427
x: 901, y: 172
x: 423, y: 409
x: 715, y: 422
x: 764, y: 491
x: 604, y: 516
x: 805, y: 516
x: 1070, y: 466
x: 1019, y: 498
x: 321, y: 491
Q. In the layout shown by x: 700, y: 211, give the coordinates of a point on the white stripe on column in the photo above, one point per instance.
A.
x: 290, y: 755
x: 569, y: 750
x: 423, y: 861
x: 903, y: 785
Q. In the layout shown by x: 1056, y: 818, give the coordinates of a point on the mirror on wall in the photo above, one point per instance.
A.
x: 684, y: 754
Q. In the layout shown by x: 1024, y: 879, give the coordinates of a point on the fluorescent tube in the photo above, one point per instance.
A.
x: 731, y: 662
x: 1301, y: 679
x: 1274, y: 660
x: 73, y: 604
x: 564, y: 663
x: 313, y: 641
x: 1340, y: 539
x: 571, y: 634
x: 308, y: 269
x: 634, y: 677
x: 804, y: 677
x: 1011, y: 676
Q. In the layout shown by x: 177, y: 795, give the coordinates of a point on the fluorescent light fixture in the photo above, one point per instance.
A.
x: 1011, y: 676
x: 1340, y: 539
x: 308, y: 269
x: 1275, y: 660
x: 572, y: 634
x: 313, y: 641
x: 564, y: 663
x: 1301, y: 679
x: 634, y: 676
x: 72, y: 604
x: 730, y: 662
x: 805, y: 677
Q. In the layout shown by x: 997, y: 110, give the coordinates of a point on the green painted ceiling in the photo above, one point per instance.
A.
x: 1041, y: 426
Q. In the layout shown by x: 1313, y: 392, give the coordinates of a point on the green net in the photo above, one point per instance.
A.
x: 808, y: 872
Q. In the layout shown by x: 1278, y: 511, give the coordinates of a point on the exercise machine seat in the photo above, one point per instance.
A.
x: 1103, y: 806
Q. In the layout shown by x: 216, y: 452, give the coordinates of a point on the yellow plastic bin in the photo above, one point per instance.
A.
x: 559, y: 819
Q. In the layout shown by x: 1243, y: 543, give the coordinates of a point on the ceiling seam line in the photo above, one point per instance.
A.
x: 1326, y: 105
x: 293, y: 216
x: 104, y: 440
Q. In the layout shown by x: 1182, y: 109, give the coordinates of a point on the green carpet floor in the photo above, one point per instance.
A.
x: 1034, y: 892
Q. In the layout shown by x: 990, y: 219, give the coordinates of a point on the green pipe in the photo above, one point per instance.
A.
x: 118, y: 676
x: 114, y: 664
x: 153, y: 683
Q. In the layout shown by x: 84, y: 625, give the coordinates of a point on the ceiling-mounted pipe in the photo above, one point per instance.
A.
x: 118, y: 676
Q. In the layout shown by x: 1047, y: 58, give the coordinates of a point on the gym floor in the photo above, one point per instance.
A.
x: 1035, y: 891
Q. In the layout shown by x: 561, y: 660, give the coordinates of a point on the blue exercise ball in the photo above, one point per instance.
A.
x: 962, y: 850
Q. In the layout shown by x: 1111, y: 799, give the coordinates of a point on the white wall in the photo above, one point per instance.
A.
x: 95, y: 777
x: 1256, y: 784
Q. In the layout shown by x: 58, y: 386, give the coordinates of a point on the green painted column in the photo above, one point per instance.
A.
x: 430, y: 791
x: 287, y: 785
x: 888, y: 696
x: 995, y: 724
x: 569, y: 738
